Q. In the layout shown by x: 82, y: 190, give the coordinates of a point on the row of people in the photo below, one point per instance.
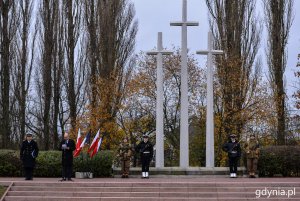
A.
x: 29, y: 151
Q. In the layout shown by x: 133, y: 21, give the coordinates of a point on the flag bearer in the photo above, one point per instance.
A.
x: 28, y: 153
x: 145, y: 148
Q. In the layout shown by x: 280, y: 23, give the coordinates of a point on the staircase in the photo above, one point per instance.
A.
x: 145, y: 190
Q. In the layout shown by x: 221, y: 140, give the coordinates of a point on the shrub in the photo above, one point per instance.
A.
x: 48, y: 164
x: 10, y: 164
x: 284, y: 160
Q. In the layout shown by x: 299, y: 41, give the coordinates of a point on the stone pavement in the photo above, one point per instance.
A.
x: 159, y: 187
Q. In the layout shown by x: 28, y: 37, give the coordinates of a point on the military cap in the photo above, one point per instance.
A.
x: 145, y: 136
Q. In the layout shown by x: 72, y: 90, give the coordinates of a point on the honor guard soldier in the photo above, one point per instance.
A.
x: 125, y: 153
x: 252, y: 154
x: 233, y: 148
x: 28, y: 153
x: 67, y: 146
x: 145, y: 148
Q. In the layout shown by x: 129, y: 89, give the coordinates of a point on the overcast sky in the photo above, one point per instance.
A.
x: 155, y: 16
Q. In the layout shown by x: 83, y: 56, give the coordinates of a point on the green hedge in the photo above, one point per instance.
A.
x: 48, y: 164
x: 283, y: 160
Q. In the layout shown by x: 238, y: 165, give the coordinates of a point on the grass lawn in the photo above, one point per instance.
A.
x: 2, y: 190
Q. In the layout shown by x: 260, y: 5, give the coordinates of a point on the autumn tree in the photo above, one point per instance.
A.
x: 236, y: 30
x: 111, y: 29
x: 297, y: 93
x: 278, y: 18
x: 137, y: 115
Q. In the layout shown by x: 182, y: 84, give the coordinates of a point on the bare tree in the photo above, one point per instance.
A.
x: 92, y: 25
x: 8, y: 27
x: 278, y: 17
x: 48, y: 13
x: 24, y: 64
x: 72, y: 11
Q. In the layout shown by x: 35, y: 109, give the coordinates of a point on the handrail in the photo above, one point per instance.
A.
x: 8, y: 188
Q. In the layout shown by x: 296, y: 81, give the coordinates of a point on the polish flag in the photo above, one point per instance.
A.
x: 96, y: 149
x: 84, y: 142
x: 95, y: 142
x: 79, y: 139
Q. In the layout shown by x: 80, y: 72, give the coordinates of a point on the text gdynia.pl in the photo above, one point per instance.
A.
x: 273, y: 192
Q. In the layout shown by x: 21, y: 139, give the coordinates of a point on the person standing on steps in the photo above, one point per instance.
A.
x: 125, y: 153
x: 28, y: 153
x: 252, y: 155
x: 145, y: 148
x: 67, y: 146
x: 233, y: 148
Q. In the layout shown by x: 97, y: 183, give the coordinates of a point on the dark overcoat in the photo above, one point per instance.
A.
x: 67, y: 154
x: 28, y: 153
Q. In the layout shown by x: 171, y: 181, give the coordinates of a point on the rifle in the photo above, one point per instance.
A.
x: 234, y: 146
x: 142, y: 150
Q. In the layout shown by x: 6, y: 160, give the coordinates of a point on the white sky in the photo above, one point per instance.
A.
x: 155, y: 16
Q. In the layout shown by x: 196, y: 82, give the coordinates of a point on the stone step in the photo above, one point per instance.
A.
x: 133, y: 194
x: 234, y: 183
x: 141, y: 189
x: 37, y: 198
x: 135, y: 189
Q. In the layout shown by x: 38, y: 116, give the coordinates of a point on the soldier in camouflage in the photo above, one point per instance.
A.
x: 125, y: 153
x: 252, y: 154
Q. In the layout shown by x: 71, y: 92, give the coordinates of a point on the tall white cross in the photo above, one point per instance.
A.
x: 159, y: 156
x: 184, y: 106
x: 210, y: 151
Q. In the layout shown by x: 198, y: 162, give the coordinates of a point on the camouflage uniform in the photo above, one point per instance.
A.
x: 252, y: 154
x: 125, y: 152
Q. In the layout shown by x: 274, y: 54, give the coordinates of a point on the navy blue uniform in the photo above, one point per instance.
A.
x: 28, y: 153
x: 234, y: 153
x: 146, y: 152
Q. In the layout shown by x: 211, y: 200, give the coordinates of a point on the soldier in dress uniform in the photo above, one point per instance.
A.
x: 28, y: 153
x: 145, y: 148
x: 252, y: 154
x: 67, y: 146
x: 233, y: 148
x: 125, y: 153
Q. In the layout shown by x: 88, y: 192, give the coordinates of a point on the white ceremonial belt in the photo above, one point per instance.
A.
x: 146, y: 152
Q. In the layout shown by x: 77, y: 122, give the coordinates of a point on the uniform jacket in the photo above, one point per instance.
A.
x: 28, y: 153
x: 125, y: 151
x: 252, y: 149
x: 67, y: 154
x: 232, y: 148
x: 145, y: 147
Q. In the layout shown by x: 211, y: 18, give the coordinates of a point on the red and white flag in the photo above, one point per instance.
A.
x: 95, y: 142
x: 85, y: 141
x: 96, y: 149
x: 79, y: 139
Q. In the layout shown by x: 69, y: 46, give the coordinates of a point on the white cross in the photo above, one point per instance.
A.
x: 184, y: 105
x: 210, y: 151
x: 159, y: 156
